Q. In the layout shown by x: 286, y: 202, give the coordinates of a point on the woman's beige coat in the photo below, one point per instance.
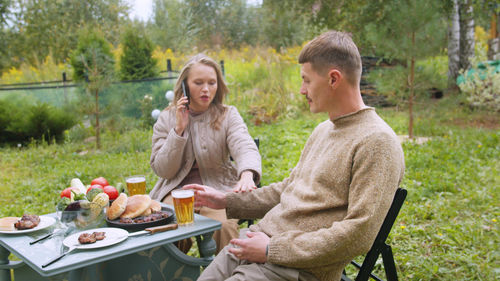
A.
x: 173, y: 156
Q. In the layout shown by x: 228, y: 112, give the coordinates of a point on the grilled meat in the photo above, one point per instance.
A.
x: 86, y: 238
x: 142, y: 219
x: 27, y: 222
x: 99, y: 235
x: 126, y: 220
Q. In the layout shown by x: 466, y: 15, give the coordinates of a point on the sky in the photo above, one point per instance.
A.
x: 142, y: 9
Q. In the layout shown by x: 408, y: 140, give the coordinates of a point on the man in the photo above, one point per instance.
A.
x: 334, y: 201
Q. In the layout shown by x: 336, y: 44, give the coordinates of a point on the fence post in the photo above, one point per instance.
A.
x: 169, y: 68
x: 222, y: 68
x: 64, y: 88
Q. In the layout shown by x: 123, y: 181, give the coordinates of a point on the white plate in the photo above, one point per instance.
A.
x: 44, y: 223
x: 113, y: 236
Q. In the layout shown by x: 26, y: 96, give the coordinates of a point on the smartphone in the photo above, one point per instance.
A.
x: 185, y: 92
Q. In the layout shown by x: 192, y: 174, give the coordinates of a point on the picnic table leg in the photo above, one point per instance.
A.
x: 75, y: 274
x: 206, y: 244
x: 4, y: 260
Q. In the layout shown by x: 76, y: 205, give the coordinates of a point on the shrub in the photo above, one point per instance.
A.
x: 483, y: 90
x: 392, y: 82
x: 264, y: 84
x: 20, y: 123
x: 5, y: 120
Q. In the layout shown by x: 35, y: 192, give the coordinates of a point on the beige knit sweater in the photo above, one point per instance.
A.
x: 330, y: 208
x: 172, y: 156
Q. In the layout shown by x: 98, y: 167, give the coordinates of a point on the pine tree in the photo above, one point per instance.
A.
x: 93, y: 63
x: 136, y: 61
x: 408, y: 30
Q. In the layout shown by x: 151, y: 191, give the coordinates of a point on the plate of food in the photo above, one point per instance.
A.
x: 95, y: 238
x: 25, y: 224
x: 137, y: 212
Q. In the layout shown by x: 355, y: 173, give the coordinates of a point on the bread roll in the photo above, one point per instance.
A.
x: 7, y: 223
x: 153, y: 208
x: 147, y: 212
x: 118, y: 207
x: 136, y: 205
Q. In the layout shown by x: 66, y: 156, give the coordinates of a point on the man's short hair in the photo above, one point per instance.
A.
x: 333, y: 49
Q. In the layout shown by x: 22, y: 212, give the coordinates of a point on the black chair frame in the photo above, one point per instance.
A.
x: 250, y: 221
x: 380, y: 247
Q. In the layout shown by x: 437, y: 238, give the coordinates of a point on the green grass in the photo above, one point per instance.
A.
x: 447, y: 229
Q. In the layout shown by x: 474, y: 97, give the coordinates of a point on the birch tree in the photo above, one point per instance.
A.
x: 466, y: 14
x: 453, y: 45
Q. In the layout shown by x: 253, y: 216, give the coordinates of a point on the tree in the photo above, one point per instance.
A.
x: 408, y: 30
x: 453, y: 45
x: 4, y: 10
x: 494, y: 42
x: 93, y: 63
x: 4, y: 47
x: 284, y: 25
x: 172, y: 25
x: 466, y: 14
x: 44, y: 27
x: 239, y: 24
x: 136, y: 61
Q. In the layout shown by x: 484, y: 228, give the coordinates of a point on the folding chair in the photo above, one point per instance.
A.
x: 380, y: 247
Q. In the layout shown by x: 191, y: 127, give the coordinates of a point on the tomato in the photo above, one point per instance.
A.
x: 100, y: 180
x: 94, y: 186
x: 67, y: 192
x: 111, y: 192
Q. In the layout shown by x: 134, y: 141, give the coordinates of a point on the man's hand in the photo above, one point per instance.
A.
x: 245, y: 183
x: 207, y: 196
x: 252, y: 249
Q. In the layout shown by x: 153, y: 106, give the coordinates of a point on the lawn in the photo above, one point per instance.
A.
x: 447, y: 229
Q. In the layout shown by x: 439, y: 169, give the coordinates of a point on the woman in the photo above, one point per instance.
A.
x: 194, y: 138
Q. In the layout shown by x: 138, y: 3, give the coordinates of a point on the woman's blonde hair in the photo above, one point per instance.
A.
x: 217, y: 110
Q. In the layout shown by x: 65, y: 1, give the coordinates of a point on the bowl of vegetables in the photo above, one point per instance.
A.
x: 82, y: 209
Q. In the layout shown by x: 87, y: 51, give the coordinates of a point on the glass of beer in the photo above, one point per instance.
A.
x: 136, y: 185
x: 184, y: 206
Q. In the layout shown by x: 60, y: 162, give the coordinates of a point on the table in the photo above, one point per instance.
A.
x: 145, y: 257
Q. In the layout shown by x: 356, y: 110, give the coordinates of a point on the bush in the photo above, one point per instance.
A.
x: 483, y: 90
x: 20, y: 123
x: 5, y: 120
x: 392, y: 82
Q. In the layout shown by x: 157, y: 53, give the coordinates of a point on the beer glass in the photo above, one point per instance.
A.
x: 184, y: 206
x: 136, y: 185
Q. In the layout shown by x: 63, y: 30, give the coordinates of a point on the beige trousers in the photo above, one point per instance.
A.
x: 229, y: 228
x: 227, y: 266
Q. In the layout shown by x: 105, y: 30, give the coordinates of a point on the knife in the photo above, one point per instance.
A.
x: 156, y: 229
x: 46, y: 236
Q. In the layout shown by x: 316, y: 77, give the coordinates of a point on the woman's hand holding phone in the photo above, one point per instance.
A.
x: 181, y: 115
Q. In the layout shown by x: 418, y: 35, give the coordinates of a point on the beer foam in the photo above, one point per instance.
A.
x: 182, y: 193
x: 136, y: 179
